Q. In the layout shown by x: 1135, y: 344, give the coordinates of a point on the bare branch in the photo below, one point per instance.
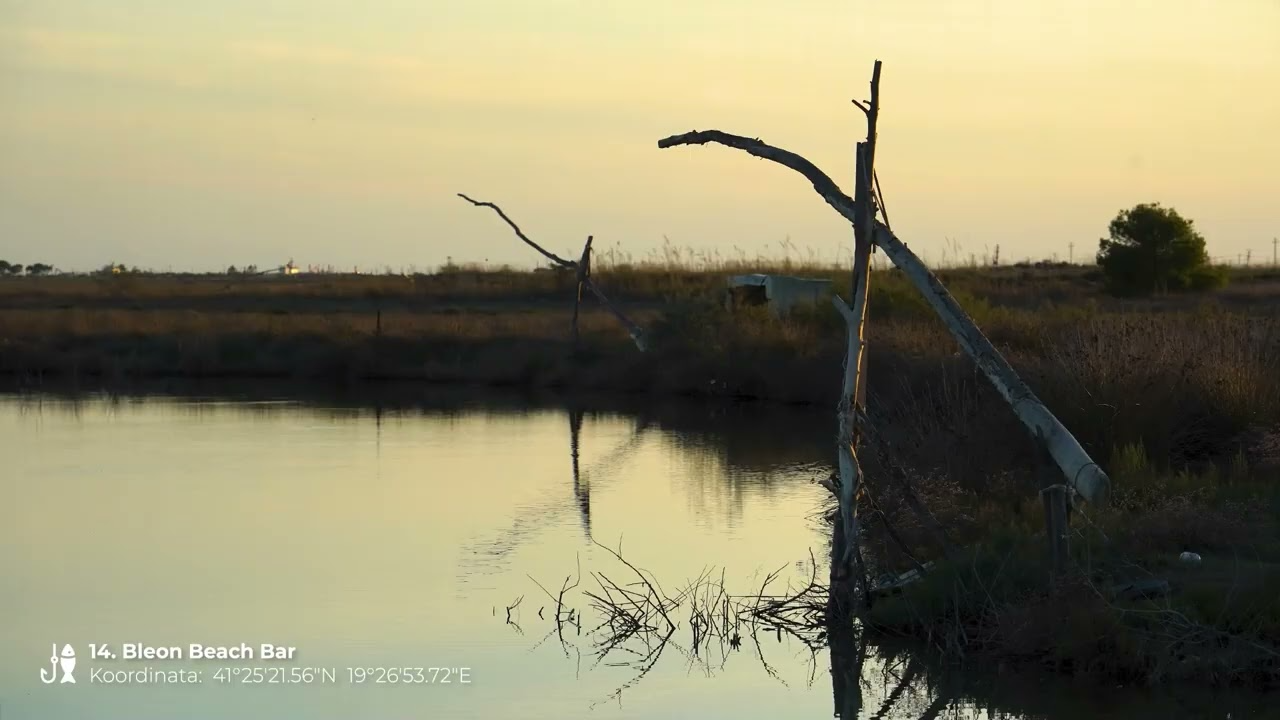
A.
x: 872, y: 117
x: 584, y: 277
x: 822, y: 183
x: 862, y: 107
x: 1082, y: 473
x: 519, y: 233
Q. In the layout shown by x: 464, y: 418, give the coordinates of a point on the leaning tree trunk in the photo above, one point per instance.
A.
x: 1083, y: 475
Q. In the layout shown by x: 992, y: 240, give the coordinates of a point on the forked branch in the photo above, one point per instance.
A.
x: 1084, y: 475
x: 584, y: 275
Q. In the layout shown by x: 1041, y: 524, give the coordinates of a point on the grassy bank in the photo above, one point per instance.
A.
x: 1187, y: 376
x: 1130, y: 609
x: 1178, y: 397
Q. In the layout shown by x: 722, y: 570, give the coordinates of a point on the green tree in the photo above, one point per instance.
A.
x: 1154, y: 249
x: 16, y: 269
x: 4, y: 267
x: 39, y: 269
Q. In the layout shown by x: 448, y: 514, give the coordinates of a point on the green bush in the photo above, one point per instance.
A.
x: 1154, y: 249
x: 1208, y: 277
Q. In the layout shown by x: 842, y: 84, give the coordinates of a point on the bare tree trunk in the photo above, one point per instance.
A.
x: 848, y: 570
x: 1082, y: 473
x: 583, y: 272
x: 848, y: 651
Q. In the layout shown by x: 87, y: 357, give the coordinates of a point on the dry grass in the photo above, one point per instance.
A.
x: 1219, y: 624
x: 341, y: 326
x: 1184, y: 375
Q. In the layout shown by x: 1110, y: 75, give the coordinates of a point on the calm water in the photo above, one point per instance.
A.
x: 397, y: 538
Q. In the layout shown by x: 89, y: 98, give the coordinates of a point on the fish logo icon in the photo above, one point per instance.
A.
x: 67, y: 661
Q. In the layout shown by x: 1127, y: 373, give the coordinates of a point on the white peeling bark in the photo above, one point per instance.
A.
x: 853, y: 390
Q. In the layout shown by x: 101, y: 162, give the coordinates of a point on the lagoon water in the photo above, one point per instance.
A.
x: 371, y: 536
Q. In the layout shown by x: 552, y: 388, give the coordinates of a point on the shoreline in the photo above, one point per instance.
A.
x: 1177, y: 397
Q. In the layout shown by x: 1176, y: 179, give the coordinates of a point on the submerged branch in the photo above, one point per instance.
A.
x: 638, y: 618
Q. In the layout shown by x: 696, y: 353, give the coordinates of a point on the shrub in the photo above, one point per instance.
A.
x: 1154, y: 249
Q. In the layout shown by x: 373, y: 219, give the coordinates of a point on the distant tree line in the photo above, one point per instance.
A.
x: 8, y: 268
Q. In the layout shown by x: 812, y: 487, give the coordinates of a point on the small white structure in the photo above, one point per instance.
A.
x: 780, y: 292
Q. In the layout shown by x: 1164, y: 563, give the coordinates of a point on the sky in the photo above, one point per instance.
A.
x: 176, y: 134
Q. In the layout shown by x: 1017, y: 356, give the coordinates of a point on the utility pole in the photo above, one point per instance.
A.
x: 1248, y: 257
x: 1274, y: 243
x: 1071, y: 252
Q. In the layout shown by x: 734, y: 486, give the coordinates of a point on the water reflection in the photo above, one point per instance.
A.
x: 581, y: 490
x: 405, y: 527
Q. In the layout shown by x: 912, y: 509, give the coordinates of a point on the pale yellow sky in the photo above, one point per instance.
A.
x: 174, y: 133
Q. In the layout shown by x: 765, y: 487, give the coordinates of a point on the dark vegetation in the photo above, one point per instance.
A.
x: 1154, y: 249
x: 1176, y: 395
x: 34, y: 269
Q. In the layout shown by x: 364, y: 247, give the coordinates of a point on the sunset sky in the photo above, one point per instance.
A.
x: 194, y: 135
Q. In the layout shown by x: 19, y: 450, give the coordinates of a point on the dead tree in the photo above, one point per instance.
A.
x: 846, y: 553
x: 1083, y: 476
x: 582, y: 275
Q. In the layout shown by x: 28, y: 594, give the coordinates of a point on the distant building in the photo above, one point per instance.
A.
x: 779, y: 292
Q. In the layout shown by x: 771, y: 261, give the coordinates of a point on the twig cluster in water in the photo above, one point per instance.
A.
x: 639, y: 620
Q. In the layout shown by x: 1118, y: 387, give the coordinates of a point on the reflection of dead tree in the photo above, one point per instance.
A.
x: 904, y: 682
x: 581, y: 490
x: 582, y: 273
x: 848, y: 652
x: 533, y: 518
x: 940, y: 703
